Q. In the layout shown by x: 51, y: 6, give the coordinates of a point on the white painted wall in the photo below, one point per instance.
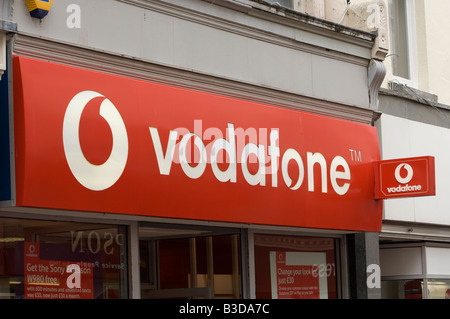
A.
x: 405, y: 138
x: 434, y: 47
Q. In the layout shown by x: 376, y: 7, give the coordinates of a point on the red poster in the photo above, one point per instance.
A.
x: 52, y: 279
x: 295, y: 275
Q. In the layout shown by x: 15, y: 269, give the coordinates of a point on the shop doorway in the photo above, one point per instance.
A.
x: 189, y: 263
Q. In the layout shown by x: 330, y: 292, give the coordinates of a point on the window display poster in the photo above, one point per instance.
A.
x: 55, y: 279
x: 297, y: 275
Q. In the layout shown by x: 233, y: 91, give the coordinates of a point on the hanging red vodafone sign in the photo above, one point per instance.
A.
x: 92, y: 141
x: 406, y: 177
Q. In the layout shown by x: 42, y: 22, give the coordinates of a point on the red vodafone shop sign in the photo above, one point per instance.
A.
x: 91, y: 141
x: 407, y: 177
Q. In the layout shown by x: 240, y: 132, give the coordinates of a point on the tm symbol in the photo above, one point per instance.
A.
x: 356, y: 155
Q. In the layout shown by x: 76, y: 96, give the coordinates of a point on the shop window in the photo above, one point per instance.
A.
x: 292, y: 267
x: 438, y: 289
x: 62, y: 260
x: 416, y: 289
x: 402, y: 289
x: 184, y: 265
x: 416, y: 270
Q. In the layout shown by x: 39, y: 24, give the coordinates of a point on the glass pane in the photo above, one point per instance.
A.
x: 399, y: 38
x: 188, y: 265
x: 292, y: 267
x: 438, y: 289
x: 413, y: 289
x: 174, y: 263
x: 402, y: 289
x: 61, y: 260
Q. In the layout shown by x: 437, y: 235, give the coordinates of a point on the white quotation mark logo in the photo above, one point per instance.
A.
x: 409, y: 176
x: 94, y: 177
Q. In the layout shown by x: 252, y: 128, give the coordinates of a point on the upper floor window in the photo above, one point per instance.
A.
x: 403, y: 41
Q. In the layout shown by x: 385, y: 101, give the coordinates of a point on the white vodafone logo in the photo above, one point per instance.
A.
x: 409, y: 176
x: 94, y: 177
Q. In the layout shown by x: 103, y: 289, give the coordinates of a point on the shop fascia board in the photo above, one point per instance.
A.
x: 268, y: 22
x: 327, y: 38
x: 308, y: 21
x: 306, y: 24
x: 128, y: 66
x: 414, y: 231
x: 411, y: 104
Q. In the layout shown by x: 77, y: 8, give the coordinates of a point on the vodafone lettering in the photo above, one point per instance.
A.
x: 405, y: 188
x: 119, y: 145
x: 339, y: 169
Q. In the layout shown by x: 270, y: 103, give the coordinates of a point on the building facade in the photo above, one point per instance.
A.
x: 414, y: 121
x: 188, y: 148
